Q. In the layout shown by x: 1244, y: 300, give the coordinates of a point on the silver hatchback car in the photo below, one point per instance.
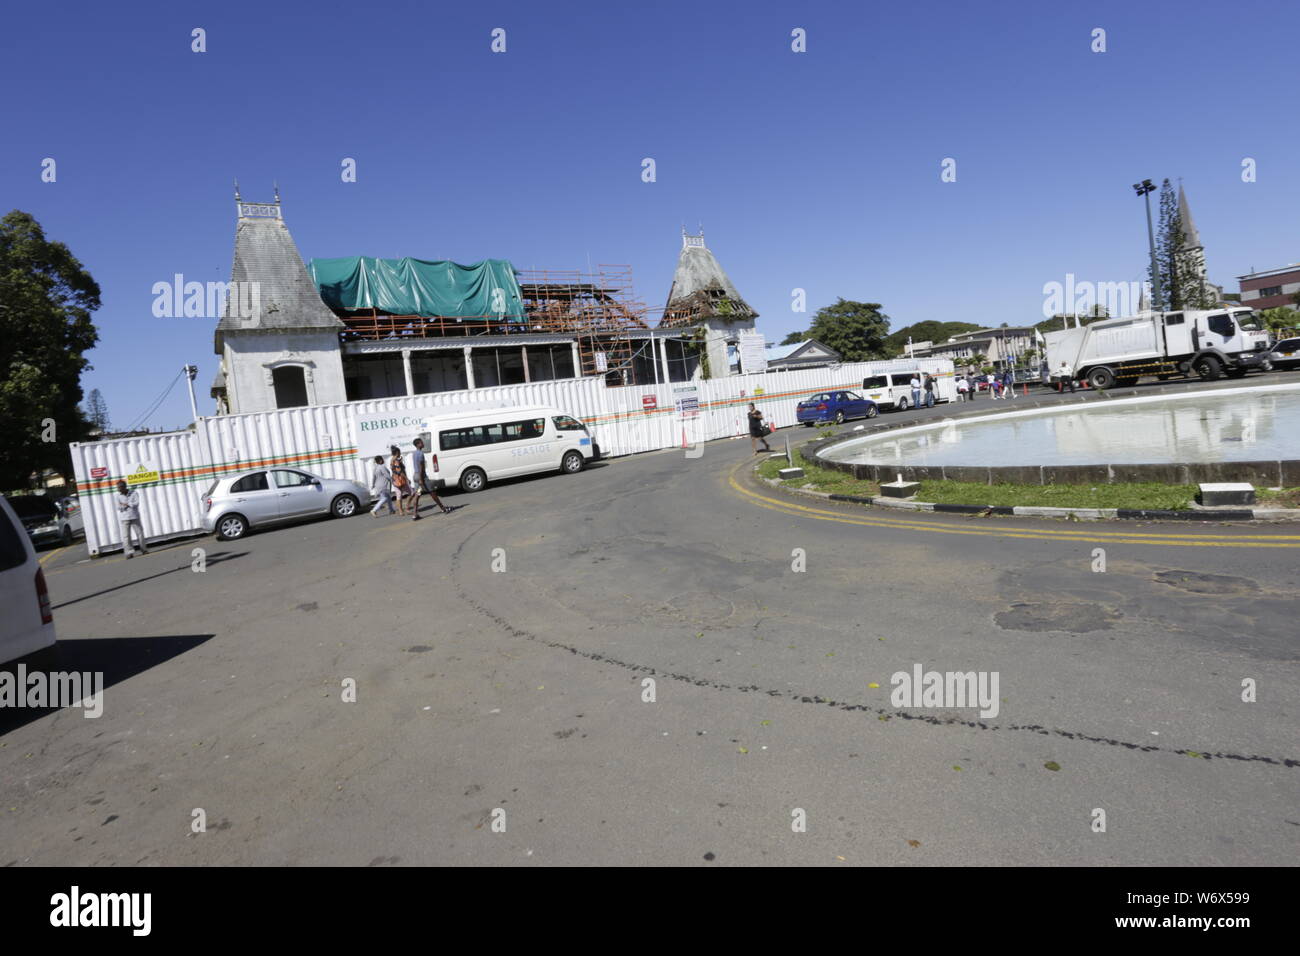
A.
x: 238, y: 502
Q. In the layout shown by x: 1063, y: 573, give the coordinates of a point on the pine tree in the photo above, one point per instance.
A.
x: 1169, y: 240
x: 97, y: 411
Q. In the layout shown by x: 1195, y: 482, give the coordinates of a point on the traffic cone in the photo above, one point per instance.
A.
x: 684, y: 445
x: 1026, y: 389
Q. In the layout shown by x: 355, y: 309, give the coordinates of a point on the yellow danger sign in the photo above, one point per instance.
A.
x: 142, y: 476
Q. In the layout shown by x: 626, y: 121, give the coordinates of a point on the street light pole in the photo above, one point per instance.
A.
x: 190, y: 372
x: 1145, y: 189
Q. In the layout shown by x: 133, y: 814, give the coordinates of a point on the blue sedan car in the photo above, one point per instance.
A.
x: 835, y: 407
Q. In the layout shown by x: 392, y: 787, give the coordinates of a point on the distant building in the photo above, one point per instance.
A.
x: 1271, y: 288
x: 999, y: 346
x: 806, y: 354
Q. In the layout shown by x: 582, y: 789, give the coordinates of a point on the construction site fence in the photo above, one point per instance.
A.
x: 174, y: 470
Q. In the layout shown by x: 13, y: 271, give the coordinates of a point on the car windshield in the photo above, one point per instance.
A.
x: 30, y: 506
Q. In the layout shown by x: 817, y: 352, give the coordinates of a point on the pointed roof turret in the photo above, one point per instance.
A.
x: 270, y: 287
x: 701, y: 289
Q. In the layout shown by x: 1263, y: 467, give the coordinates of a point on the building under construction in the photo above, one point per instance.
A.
x: 361, y: 328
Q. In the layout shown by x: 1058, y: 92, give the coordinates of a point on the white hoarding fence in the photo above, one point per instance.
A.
x: 172, y: 471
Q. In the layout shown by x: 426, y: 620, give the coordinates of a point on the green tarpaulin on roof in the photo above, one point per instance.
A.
x: 419, y: 287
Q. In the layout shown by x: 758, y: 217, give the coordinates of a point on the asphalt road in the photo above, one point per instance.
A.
x: 521, y: 689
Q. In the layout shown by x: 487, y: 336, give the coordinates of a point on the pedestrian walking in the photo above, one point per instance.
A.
x: 993, y: 385
x: 757, y: 430
x: 381, y: 485
x: 420, y: 483
x: 1008, y: 384
x: 128, y: 516
x: 929, y: 391
x: 1065, y: 378
x: 916, y: 391
x: 401, y: 483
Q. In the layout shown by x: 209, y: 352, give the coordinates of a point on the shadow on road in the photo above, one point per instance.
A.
x: 212, y: 559
x: 117, y: 658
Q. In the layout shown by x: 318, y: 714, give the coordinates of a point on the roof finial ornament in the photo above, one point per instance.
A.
x: 701, y: 230
x: 683, y: 228
x: 236, y: 190
x: 276, y: 186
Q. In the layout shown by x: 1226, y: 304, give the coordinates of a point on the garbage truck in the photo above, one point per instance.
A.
x: 1208, y: 343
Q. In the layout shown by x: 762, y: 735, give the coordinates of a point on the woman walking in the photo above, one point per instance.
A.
x: 401, y: 484
x: 757, y: 430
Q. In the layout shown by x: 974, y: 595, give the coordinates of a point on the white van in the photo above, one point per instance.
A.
x: 470, y: 449
x: 890, y: 389
x: 27, y: 625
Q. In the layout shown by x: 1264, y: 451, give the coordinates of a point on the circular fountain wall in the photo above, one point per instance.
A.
x: 1237, y: 434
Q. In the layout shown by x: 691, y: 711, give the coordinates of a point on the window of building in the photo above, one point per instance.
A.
x: 290, y: 383
x: 1271, y: 290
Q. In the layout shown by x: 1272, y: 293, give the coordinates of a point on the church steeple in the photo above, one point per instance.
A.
x: 1191, y: 238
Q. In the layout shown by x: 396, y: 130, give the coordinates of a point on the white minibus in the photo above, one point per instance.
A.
x: 469, y: 449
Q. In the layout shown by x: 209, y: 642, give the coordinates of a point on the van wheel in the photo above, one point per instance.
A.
x: 1208, y: 368
x: 472, y: 479
x: 1101, y: 378
x: 231, y: 527
x: 572, y: 463
x: 344, y: 506
x: 901, y: 405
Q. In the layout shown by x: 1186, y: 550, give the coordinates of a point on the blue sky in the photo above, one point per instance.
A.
x: 816, y: 170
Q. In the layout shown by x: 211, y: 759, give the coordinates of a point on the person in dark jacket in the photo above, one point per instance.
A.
x: 757, y: 430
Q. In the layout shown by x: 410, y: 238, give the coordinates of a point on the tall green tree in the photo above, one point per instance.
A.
x: 794, y: 338
x: 96, y: 410
x: 46, y: 299
x: 856, y: 330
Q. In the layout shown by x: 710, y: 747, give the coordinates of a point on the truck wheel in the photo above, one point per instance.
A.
x: 1208, y: 368
x: 1101, y: 378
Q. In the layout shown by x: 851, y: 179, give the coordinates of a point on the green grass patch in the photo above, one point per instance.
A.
x: 819, y: 479
x: 1278, y: 498
x: 1137, y: 495
x: 1152, y: 495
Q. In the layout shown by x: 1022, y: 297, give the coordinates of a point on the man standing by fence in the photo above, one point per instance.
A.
x: 128, y: 516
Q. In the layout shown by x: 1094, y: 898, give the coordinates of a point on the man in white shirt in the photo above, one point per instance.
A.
x: 128, y: 516
x: 916, y: 391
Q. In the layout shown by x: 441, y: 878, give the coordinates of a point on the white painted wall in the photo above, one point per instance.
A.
x: 249, y: 358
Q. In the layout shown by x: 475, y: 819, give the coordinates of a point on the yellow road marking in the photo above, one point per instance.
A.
x: 1170, y: 539
x: 50, y: 554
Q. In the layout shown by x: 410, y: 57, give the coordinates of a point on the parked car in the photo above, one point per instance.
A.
x: 835, y: 407
x: 48, y: 521
x: 269, y: 496
x: 27, y: 624
x: 1285, y: 354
